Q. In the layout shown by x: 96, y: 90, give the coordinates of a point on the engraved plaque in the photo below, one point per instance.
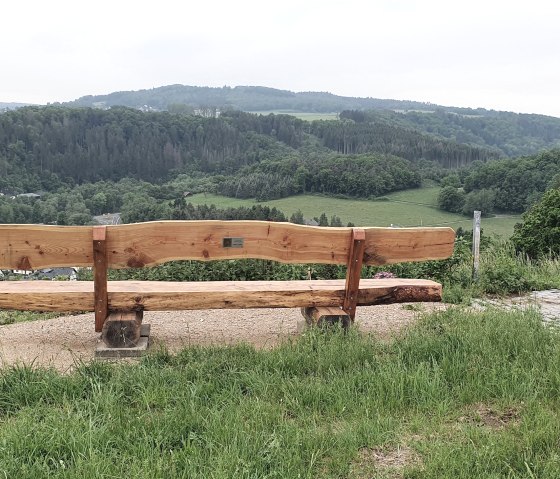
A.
x: 232, y: 242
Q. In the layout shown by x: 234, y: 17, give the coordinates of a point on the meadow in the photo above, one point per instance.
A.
x: 307, y: 116
x: 404, y: 208
x: 459, y: 395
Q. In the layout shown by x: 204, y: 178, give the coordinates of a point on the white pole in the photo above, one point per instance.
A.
x: 476, y: 244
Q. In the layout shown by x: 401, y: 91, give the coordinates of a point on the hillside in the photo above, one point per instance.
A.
x: 95, y: 161
x: 245, y: 98
x: 84, y: 145
x: 5, y: 106
x: 511, y: 134
x: 506, y: 133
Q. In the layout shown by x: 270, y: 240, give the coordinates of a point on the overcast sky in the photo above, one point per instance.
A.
x: 497, y: 54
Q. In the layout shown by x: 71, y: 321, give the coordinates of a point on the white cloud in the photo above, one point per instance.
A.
x: 495, y: 54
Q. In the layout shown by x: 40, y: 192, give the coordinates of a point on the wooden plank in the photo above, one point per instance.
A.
x: 353, y: 272
x: 162, y: 296
x: 100, y: 275
x: 47, y: 295
x: 398, y: 245
x: 122, y: 329
x: 148, y: 244
x: 43, y: 246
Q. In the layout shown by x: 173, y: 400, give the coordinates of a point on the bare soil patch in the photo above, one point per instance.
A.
x: 486, y: 416
x: 383, y: 462
x: 62, y: 342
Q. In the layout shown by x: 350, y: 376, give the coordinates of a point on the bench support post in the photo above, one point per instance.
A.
x: 122, y: 329
x: 100, y: 276
x: 353, y: 272
x: 322, y: 316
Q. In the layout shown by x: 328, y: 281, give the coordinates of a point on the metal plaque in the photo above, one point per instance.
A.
x: 232, y: 242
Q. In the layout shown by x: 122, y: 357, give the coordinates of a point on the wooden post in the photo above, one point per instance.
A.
x: 353, y: 271
x: 476, y: 244
x: 322, y: 316
x: 100, y: 276
x: 122, y: 329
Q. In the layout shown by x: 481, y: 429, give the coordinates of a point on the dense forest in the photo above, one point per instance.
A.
x: 40, y: 147
x: 507, y: 185
x: 506, y: 133
x: 509, y: 134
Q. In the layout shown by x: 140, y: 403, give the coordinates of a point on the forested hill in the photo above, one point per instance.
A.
x: 511, y: 134
x: 85, y: 144
x: 507, y: 133
x: 244, y: 98
x: 11, y: 106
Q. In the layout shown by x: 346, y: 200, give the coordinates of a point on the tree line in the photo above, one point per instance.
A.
x: 137, y: 201
x: 246, y: 98
x: 507, y: 185
x: 51, y: 147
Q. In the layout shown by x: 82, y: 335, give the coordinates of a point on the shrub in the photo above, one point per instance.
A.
x: 481, y: 200
x: 451, y: 199
x: 539, y: 234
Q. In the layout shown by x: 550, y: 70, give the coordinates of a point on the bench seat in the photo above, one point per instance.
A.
x: 169, y: 296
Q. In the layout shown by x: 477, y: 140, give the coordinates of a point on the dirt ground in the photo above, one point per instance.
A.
x: 62, y: 342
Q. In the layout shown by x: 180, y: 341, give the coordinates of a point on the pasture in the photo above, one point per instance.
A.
x: 307, y: 116
x: 404, y: 208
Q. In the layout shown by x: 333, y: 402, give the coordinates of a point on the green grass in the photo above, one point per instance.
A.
x: 467, y: 395
x: 308, y: 116
x: 10, y: 316
x: 404, y: 208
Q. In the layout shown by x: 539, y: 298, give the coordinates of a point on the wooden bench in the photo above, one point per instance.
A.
x: 28, y: 247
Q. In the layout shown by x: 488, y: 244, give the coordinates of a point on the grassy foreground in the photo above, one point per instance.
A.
x: 462, y: 395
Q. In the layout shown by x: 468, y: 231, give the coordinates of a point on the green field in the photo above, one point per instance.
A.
x: 308, y: 116
x: 404, y: 208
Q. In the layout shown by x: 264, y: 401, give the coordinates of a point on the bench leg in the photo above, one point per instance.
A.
x: 122, y: 329
x: 325, y: 316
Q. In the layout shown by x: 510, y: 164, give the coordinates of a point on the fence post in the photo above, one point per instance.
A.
x: 476, y: 244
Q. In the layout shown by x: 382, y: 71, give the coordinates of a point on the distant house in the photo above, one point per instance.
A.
x: 187, y: 194
x: 9, y: 194
x: 21, y: 272
x: 44, y: 274
x: 33, y: 196
x: 54, y: 273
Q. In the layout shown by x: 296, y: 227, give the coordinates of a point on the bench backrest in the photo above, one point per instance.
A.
x: 30, y: 247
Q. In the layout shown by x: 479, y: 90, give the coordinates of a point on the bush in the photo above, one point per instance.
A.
x: 539, y: 234
x: 481, y: 200
x: 503, y: 272
x: 451, y: 199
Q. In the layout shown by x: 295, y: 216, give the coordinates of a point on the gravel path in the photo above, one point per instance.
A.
x: 64, y: 341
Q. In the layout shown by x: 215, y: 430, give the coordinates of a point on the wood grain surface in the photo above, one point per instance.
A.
x: 160, y: 295
x: 30, y: 247
x: 147, y: 244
